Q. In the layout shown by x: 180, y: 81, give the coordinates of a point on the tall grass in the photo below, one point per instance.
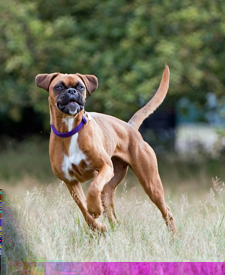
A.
x: 46, y: 225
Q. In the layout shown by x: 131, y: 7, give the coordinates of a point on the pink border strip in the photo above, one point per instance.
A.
x: 135, y: 268
x: 118, y: 268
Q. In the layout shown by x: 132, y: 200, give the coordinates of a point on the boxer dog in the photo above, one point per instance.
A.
x: 96, y: 146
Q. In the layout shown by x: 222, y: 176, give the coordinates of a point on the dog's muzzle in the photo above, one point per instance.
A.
x: 71, y: 102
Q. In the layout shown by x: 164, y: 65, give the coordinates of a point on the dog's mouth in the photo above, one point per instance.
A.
x: 63, y: 105
x: 70, y: 104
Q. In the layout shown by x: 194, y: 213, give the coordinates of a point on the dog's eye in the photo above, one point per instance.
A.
x: 80, y: 87
x: 59, y: 87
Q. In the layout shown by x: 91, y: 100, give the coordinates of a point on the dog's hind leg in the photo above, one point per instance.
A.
x: 144, y: 166
x: 108, y: 193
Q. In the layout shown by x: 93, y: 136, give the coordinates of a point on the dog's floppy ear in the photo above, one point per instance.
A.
x: 43, y: 80
x: 90, y: 81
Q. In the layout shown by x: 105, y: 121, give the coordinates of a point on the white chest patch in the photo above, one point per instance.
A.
x: 75, y: 155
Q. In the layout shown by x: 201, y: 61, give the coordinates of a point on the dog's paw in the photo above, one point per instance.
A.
x: 98, y: 227
x: 94, y: 210
x: 94, y: 204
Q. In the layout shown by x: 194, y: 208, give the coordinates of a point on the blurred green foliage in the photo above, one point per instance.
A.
x: 124, y: 43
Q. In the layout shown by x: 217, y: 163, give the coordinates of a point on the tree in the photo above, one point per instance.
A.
x: 124, y: 43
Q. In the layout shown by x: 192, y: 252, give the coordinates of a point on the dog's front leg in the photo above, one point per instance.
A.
x: 94, y: 204
x: 78, y: 195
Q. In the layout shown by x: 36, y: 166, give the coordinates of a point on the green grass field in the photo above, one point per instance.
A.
x: 41, y: 222
x: 46, y: 225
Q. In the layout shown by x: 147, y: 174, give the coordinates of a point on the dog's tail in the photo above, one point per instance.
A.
x: 154, y: 103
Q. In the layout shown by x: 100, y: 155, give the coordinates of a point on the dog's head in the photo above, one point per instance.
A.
x: 67, y: 92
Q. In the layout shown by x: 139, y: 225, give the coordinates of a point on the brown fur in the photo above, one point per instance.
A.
x: 110, y: 146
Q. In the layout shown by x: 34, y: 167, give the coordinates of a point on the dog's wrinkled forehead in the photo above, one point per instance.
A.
x: 68, y: 80
x: 47, y: 81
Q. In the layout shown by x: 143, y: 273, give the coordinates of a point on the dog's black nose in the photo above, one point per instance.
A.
x: 71, y: 91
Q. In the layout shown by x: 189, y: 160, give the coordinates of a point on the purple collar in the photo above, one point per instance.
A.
x: 70, y: 133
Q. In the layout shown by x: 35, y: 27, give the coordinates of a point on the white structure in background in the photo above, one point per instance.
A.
x: 192, y: 136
